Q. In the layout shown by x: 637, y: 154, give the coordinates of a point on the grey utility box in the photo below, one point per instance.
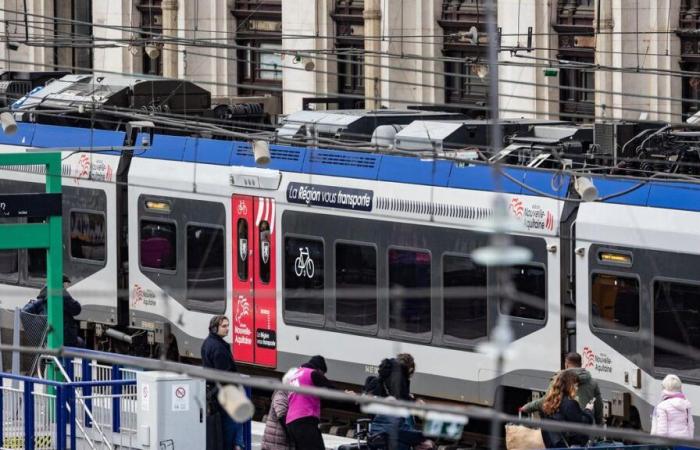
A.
x: 171, y: 411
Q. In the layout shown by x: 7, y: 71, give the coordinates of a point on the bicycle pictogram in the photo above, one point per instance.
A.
x: 304, y: 265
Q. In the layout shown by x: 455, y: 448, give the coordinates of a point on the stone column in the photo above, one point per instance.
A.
x: 170, y: 28
x: 372, y: 15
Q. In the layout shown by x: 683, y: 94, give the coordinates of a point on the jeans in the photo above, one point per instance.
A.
x: 232, y: 431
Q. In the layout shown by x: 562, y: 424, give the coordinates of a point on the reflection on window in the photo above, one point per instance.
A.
x: 531, y: 285
x: 87, y: 236
x: 356, y: 285
x: 615, y: 302
x: 677, y: 322
x: 206, y: 280
x: 9, y: 263
x: 158, y: 245
x: 264, y: 251
x: 303, y: 276
x: 36, y: 264
x: 243, y: 250
x: 464, y: 296
x: 270, y: 62
x: 409, y: 291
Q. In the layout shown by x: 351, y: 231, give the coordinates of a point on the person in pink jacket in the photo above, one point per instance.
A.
x: 672, y: 416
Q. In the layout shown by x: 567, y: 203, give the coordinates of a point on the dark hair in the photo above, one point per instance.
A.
x: 66, y: 279
x: 574, y: 359
x: 406, y: 360
x: 215, y: 322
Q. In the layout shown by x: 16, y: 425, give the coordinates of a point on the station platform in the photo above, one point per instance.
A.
x: 331, y: 441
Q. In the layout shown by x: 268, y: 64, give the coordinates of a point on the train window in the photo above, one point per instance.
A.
x: 158, y: 245
x: 464, y: 298
x: 356, y: 285
x: 9, y: 262
x: 676, y: 323
x: 615, y: 302
x: 409, y: 291
x: 264, y: 251
x: 87, y: 236
x: 206, y: 280
x: 303, y: 276
x: 530, y: 282
x: 36, y: 258
x: 243, y: 250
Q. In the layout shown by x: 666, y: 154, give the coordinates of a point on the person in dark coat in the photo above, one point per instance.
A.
x: 393, y: 380
x: 217, y: 354
x: 560, y: 404
x: 71, y: 308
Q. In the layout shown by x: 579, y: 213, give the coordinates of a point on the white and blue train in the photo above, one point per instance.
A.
x: 158, y: 240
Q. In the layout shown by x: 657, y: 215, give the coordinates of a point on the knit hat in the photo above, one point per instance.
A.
x: 317, y: 362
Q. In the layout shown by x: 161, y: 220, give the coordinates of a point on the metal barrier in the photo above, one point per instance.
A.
x: 31, y: 420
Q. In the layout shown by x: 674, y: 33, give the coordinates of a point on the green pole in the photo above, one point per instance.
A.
x: 54, y: 257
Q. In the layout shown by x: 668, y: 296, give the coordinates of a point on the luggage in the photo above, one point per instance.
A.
x: 520, y: 437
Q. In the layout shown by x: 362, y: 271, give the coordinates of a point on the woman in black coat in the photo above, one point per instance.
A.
x: 560, y: 404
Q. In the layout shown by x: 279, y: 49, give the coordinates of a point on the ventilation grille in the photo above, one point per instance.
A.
x: 339, y: 159
x: 284, y: 154
x: 39, y: 169
x: 431, y: 208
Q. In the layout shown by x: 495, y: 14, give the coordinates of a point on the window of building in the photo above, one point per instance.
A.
x: 73, y: 35
x: 350, y: 45
x: 158, y: 245
x: 356, y: 285
x: 409, y: 291
x: 264, y: 251
x: 206, y: 261
x: 688, y: 26
x: 466, y: 67
x: 464, y: 298
x: 259, y: 35
x: 530, y: 283
x: 87, y: 236
x: 243, y: 250
x: 9, y: 259
x: 152, y: 28
x: 677, y: 323
x: 36, y: 258
x: 303, y: 277
x: 574, y: 25
x: 615, y: 302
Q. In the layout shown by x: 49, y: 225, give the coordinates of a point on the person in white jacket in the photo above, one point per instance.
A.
x: 672, y: 416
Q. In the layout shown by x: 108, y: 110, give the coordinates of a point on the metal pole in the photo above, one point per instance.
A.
x: 54, y: 258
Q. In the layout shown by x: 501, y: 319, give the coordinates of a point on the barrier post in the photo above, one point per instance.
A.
x: 73, y: 414
x: 2, y: 412
x: 61, y: 412
x: 116, y: 394
x: 28, y: 415
x: 87, y: 390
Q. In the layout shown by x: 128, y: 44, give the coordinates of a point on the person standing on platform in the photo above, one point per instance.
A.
x: 304, y: 412
x: 672, y: 416
x: 217, y: 354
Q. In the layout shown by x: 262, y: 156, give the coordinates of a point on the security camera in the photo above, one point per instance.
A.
x: 12, y: 46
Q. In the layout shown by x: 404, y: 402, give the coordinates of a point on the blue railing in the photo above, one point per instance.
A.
x: 52, y: 431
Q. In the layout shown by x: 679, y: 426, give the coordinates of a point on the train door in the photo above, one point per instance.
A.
x: 254, y: 306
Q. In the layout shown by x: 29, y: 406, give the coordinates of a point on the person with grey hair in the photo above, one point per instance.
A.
x: 672, y: 416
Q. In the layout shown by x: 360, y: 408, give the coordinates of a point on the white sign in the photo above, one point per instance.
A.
x: 181, y: 397
x: 145, y: 397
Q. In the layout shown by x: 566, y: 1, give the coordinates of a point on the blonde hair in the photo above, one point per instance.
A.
x: 672, y: 383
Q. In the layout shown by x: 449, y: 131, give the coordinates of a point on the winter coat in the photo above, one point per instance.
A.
x: 216, y: 354
x: 569, y: 411
x: 672, y: 416
x: 587, y: 390
x: 392, y: 380
x: 275, y: 435
x: 71, y: 308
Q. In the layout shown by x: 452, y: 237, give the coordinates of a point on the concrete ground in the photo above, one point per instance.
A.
x: 332, y: 442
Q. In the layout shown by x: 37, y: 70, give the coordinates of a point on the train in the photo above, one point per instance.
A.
x: 163, y: 231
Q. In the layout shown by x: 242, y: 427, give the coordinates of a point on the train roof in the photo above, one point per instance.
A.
x: 371, y: 166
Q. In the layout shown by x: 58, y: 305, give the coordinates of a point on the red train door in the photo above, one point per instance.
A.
x: 254, y: 306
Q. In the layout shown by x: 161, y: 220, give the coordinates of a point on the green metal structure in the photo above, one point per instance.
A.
x: 38, y: 235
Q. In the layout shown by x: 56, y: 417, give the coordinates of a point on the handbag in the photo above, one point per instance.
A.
x: 520, y: 437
